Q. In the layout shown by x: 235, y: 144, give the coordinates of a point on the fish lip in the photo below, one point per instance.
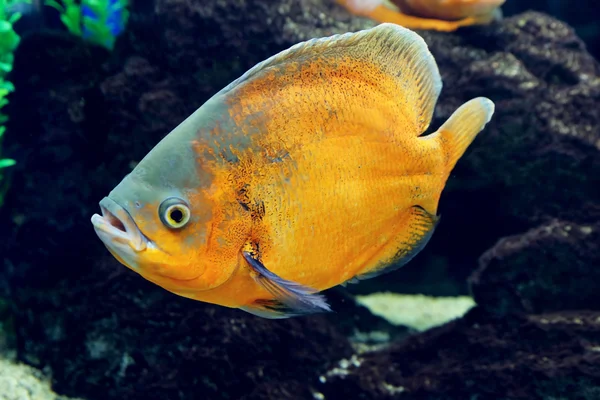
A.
x: 117, y: 223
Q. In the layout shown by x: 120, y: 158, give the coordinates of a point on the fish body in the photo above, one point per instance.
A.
x: 442, y: 15
x: 306, y: 172
x: 448, y: 10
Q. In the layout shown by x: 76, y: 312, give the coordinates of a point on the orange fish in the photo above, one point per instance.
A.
x: 441, y: 15
x: 306, y: 172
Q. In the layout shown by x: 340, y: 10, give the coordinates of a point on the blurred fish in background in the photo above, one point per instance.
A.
x: 440, y: 15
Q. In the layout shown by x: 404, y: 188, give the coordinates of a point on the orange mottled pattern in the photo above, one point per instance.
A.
x: 327, y: 187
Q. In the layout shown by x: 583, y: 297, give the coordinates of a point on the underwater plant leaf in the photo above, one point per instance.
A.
x: 70, y: 14
x: 100, y: 9
x: 56, y: 5
x: 98, y: 32
x: 9, y: 39
x: 6, y: 87
x: 124, y: 17
x: 5, y: 67
x: 71, y: 23
x: 15, y: 17
x: 97, y: 21
x: 8, y: 58
x: 7, y: 162
x: 117, y: 7
x: 94, y: 25
x: 5, y: 26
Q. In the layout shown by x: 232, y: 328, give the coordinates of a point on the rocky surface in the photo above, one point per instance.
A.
x: 80, y: 118
x: 545, y: 356
x: 583, y: 17
x: 547, y: 269
x: 21, y: 382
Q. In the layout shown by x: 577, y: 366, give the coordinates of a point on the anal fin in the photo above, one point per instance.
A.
x: 418, y: 230
x: 290, y: 298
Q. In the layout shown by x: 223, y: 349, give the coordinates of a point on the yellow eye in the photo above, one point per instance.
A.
x: 174, y: 213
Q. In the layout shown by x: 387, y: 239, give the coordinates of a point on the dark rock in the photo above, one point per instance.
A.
x: 583, y: 18
x: 80, y: 118
x: 550, y: 268
x: 121, y: 338
x: 546, y: 356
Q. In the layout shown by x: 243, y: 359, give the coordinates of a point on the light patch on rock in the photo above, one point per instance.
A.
x: 22, y: 382
x: 418, y: 312
x: 343, y: 368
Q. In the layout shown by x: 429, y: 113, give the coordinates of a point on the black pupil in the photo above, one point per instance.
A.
x: 177, y: 215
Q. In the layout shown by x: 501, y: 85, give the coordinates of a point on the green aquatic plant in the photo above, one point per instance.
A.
x: 9, y: 40
x: 5, y: 9
x: 98, y: 21
x: 70, y: 14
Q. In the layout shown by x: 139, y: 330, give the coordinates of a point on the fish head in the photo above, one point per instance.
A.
x: 156, y: 222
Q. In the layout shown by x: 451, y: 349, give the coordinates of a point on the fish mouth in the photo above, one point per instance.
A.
x: 116, y: 226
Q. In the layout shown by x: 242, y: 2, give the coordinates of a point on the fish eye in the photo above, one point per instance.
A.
x: 174, y: 213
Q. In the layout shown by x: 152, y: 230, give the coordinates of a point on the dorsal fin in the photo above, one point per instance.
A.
x: 396, y: 51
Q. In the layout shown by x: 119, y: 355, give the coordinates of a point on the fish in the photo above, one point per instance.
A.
x: 440, y: 15
x: 309, y: 171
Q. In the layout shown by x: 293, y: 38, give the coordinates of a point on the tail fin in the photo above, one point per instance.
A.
x: 457, y: 133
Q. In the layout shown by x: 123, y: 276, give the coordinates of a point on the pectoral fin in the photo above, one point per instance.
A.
x: 290, y: 298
